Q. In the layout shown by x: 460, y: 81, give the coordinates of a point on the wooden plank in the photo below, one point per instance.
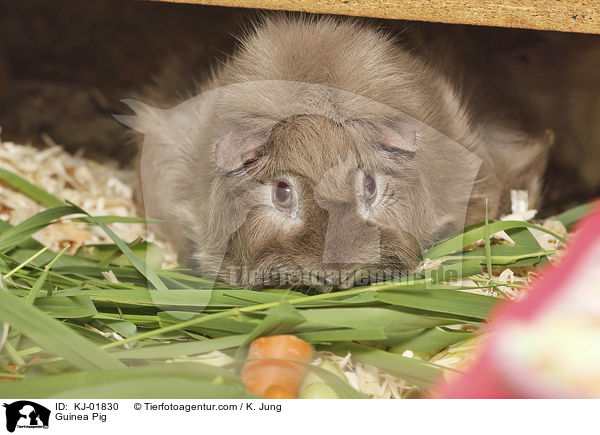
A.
x: 562, y: 15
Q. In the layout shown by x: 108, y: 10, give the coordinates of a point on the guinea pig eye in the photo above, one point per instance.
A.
x: 282, y: 195
x: 369, y: 187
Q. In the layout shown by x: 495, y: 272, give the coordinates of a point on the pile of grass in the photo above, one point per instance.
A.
x: 112, y: 324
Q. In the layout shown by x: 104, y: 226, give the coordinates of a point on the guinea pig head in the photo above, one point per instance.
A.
x: 317, y: 203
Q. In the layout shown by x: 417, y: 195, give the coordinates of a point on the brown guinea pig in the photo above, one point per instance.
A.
x: 322, y: 151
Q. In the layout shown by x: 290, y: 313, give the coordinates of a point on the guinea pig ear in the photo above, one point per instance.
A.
x: 238, y: 147
x: 398, y: 136
x: 145, y: 115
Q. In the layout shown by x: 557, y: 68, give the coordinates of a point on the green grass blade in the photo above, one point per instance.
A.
x: 187, y: 299
x: 459, y: 241
x: 486, y: 238
x: 500, y: 254
x: 31, y: 190
x: 173, y: 350
x: 28, y: 243
x: 215, y: 327
x: 140, y: 265
x: 523, y: 237
x: 35, y: 290
x: 19, y: 233
x: 164, y: 381
x: 52, y: 335
x: 431, y: 341
x: 349, y: 334
x: 121, y: 327
x: 368, y: 317
x: 574, y: 215
x: 340, y: 386
x: 116, y: 219
x: 445, y: 303
x: 105, y: 254
x: 66, y: 307
x: 25, y: 263
x: 451, y: 272
x: 420, y: 373
x: 279, y: 320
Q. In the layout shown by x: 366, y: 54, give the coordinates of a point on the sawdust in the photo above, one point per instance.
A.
x: 99, y: 187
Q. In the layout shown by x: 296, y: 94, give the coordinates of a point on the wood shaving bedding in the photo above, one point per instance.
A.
x: 366, y: 378
x: 100, y: 188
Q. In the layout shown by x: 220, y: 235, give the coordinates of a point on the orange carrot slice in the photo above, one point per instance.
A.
x: 277, y: 392
x: 273, y: 374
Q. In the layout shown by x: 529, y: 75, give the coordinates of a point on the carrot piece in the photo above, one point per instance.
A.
x: 268, y: 376
x: 277, y: 392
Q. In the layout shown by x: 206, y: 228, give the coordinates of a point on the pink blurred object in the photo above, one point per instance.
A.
x: 548, y: 344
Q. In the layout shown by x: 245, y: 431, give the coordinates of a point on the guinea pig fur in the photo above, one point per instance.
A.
x: 322, y: 145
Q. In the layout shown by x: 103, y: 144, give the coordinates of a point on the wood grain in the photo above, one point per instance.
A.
x: 562, y: 15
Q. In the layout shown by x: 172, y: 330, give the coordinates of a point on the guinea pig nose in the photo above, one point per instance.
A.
x: 349, y: 240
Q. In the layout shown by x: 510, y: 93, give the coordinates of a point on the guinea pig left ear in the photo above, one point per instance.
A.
x: 236, y: 148
x: 146, y: 117
x: 399, y: 137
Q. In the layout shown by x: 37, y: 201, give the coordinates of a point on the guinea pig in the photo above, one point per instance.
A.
x: 323, y: 146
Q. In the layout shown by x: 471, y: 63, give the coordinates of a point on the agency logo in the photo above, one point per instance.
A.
x: 25, y: 414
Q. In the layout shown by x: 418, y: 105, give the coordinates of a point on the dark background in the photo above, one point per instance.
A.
x: 64, y: 65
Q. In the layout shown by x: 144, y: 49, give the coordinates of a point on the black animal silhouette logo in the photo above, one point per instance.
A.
x: 25, y: 413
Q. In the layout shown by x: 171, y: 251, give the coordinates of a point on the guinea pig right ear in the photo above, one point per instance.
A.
x: 398, y: 136
x: 237, y: 148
